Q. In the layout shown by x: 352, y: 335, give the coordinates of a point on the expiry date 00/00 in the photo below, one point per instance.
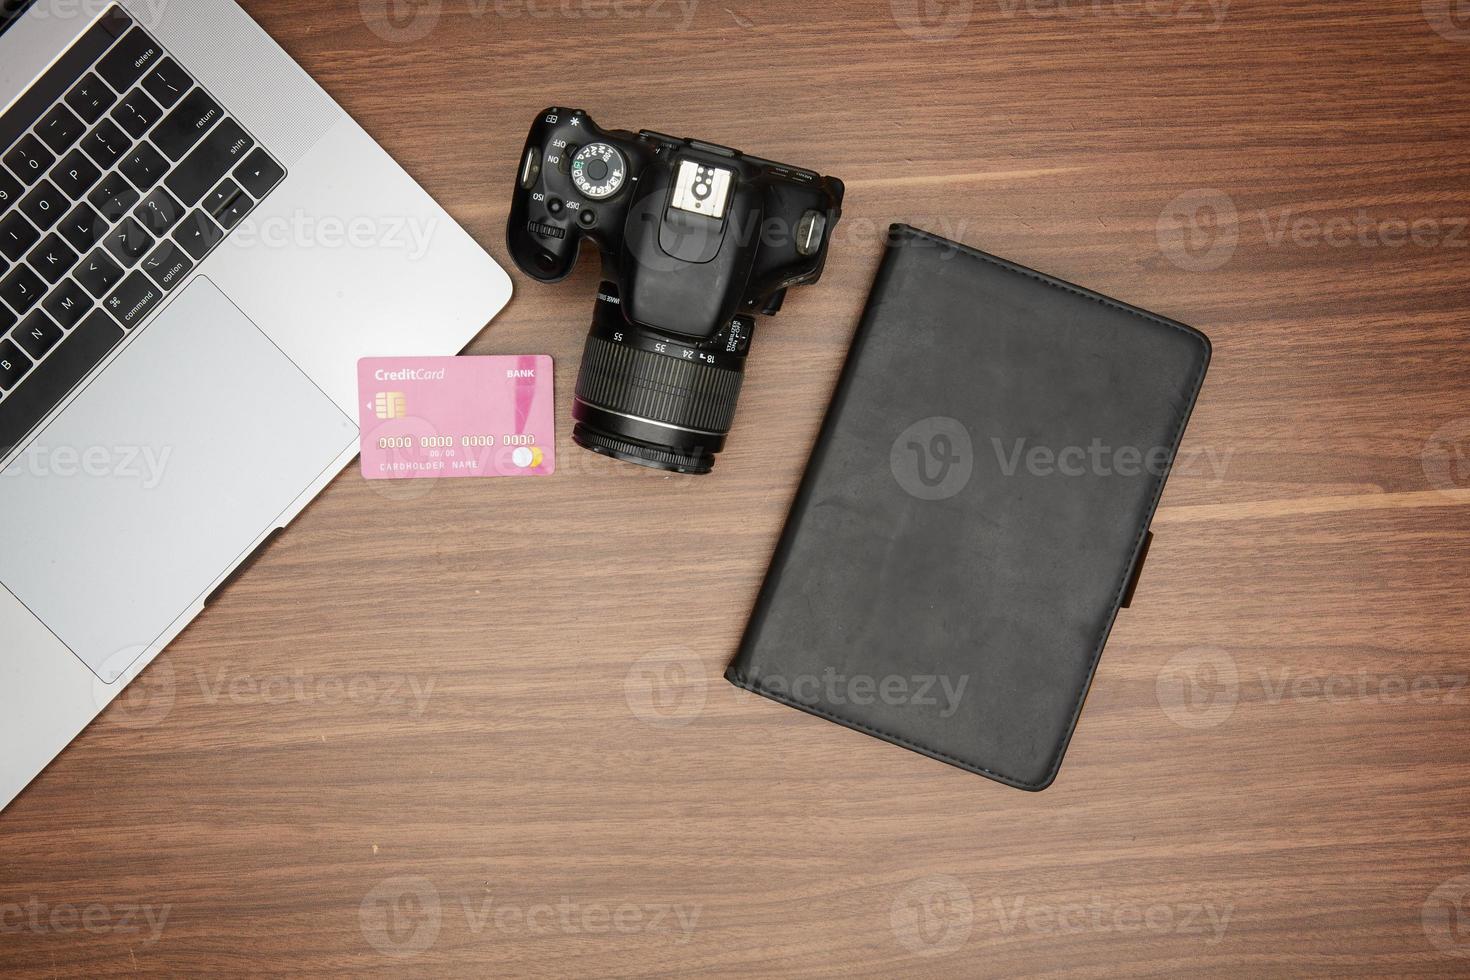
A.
x: 448, y: 442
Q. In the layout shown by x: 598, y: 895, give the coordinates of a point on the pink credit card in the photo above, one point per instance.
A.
x: 456, y: 416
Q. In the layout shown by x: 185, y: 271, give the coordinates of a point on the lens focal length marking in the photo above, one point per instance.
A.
x: 639, y: 340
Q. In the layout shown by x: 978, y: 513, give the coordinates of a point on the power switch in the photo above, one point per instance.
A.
x: 530, y: 168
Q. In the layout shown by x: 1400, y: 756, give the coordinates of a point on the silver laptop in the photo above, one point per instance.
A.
x: 196, y: 246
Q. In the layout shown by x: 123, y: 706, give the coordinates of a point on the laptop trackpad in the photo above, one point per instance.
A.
x: 159, y: 477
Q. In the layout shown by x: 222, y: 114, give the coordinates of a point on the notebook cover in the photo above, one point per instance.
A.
x: 970, y: 519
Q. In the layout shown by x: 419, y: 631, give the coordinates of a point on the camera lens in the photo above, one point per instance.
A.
x: 646, y: 398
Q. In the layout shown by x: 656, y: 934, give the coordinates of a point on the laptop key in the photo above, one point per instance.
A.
x: 89, y: 98
x: 60, y: 128
x: 106, y: 144
x: 37, y: 334
x: 159, y: 211
x: 58, y: 374
x: 98, y: 273
x: 136, y: 113
x: 133, y: 300
x: 67, y: 304
x: 75, y: 174
x: 129, y: 59
x: 44, y: 205
x: 197, y: 234
x: 83, y: 228
x: 29, y: 158
x: 113, y: 197
x: 187, y: 123
x: 219, y: 198
x: 238, y: 208
x: 9, y: 190
x: 167, y: 83
x: 53, y: 258
x: 70, y: 65
x: 259, y: 173
x: 144, y: 166
x: 16, y: 235
x: 22, y: 289
x: 129, y: 242
x: 215, y: 155
x: 13, y: 366
x: 168, y: 265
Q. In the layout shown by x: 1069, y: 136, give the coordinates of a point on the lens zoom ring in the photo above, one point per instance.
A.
x: 653, y: 386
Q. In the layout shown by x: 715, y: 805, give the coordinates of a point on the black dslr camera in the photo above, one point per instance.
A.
x: 695, y: 239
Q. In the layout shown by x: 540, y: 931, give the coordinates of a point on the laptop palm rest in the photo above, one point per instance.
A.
x: 159, y: 477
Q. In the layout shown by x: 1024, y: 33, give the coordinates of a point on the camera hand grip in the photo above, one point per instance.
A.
x: 550, y: 211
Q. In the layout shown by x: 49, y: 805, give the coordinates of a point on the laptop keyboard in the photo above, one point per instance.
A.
x: 118, y: 175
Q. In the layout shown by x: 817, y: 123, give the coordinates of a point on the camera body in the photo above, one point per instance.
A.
x: 695, y: 240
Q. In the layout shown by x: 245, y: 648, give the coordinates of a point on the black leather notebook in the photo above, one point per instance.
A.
x: 974, y: 512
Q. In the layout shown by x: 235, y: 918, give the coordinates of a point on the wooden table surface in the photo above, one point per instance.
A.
x: 479, y: 728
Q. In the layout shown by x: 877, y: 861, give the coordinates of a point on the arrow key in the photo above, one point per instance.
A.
x: 259, y: 173
x: 197, y: 234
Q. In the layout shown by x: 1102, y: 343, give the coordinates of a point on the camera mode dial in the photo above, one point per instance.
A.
x: 599, y: 170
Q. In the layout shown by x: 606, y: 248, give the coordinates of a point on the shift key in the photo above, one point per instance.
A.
x: 225, y: 146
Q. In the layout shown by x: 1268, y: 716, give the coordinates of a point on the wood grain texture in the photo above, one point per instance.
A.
x: 481, y: 730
